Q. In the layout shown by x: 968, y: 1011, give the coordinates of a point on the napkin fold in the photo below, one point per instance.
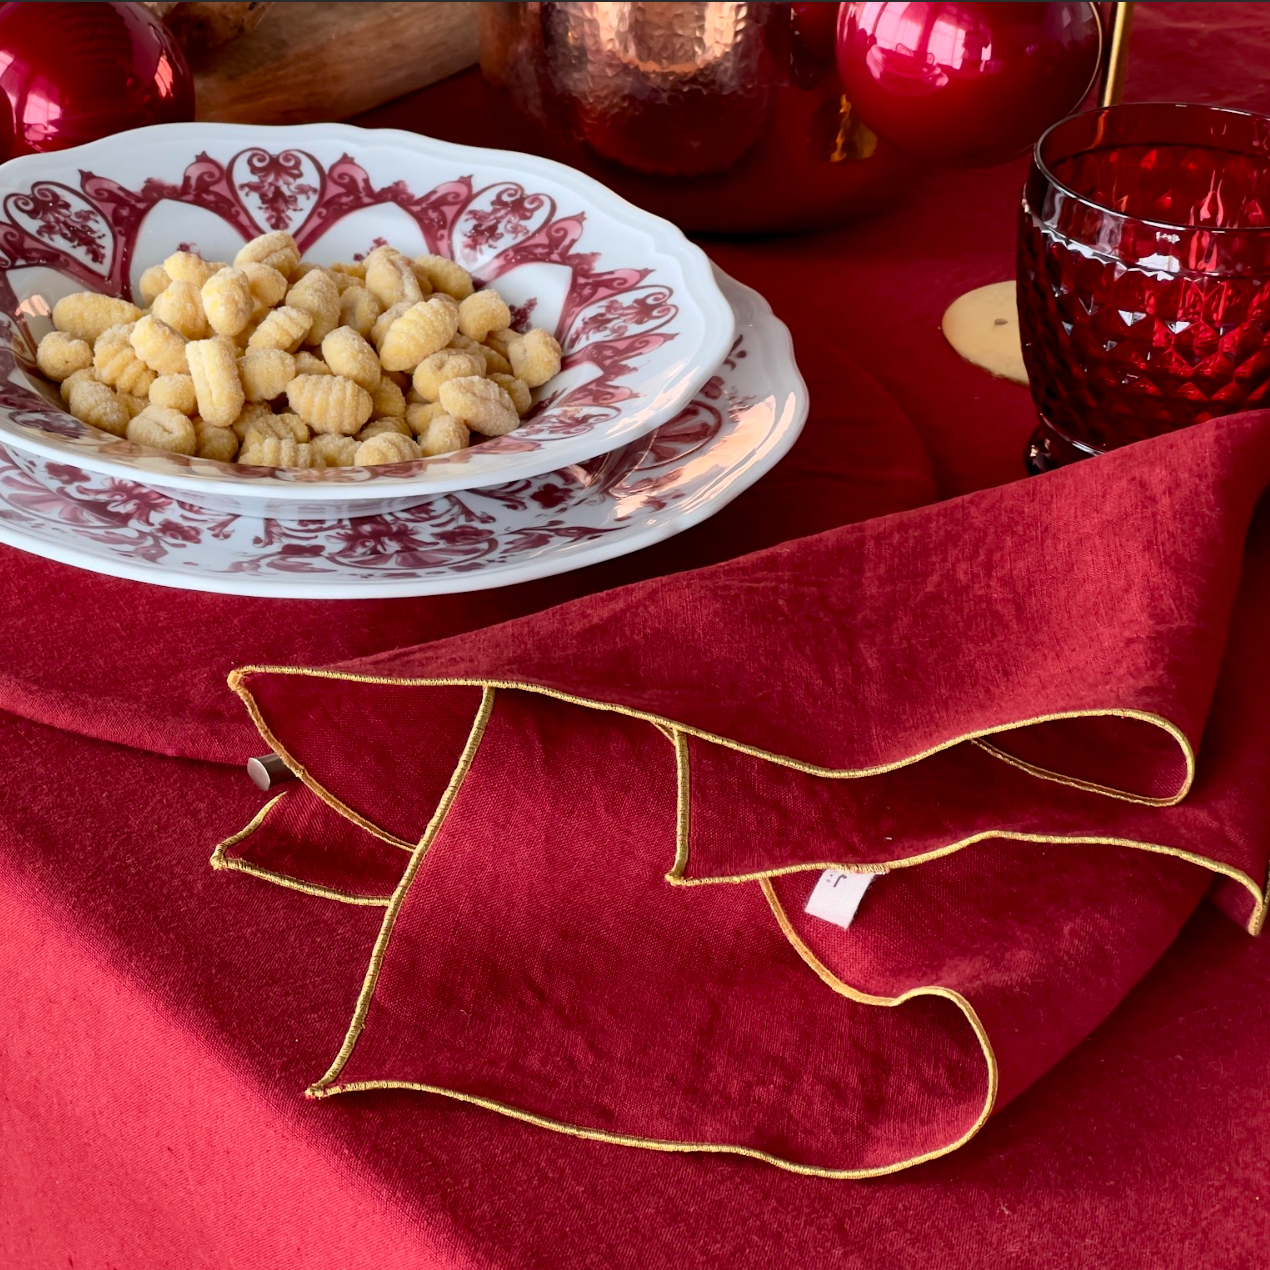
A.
x: 1036, y: 712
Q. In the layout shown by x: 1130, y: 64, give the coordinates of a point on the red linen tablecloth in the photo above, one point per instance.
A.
x: 156, y: 1041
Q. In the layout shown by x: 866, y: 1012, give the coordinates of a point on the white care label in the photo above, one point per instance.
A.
x: 837, y: 895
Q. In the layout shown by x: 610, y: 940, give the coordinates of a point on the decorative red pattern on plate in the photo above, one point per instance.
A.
x: 738, y: 425
x: 452, y: 533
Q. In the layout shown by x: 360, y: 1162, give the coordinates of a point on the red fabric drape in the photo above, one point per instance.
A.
x: 156, y: 1035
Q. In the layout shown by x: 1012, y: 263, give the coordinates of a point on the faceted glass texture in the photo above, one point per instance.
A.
x: 1144, y: 273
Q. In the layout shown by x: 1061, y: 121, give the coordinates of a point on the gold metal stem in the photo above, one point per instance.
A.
x: 1113, y: 79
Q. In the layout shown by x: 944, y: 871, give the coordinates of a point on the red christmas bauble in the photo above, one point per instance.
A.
x: 71, y: 73
x: 967, y: 84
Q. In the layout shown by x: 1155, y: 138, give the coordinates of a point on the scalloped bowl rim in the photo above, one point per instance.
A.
x: 714, y: 314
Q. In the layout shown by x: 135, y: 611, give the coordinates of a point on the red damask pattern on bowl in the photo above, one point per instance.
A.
x: 454, y: 533
x: 610, y: 322
x: 742, y: 420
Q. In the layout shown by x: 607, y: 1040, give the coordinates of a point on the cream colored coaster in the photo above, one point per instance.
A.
x: 983, y: 326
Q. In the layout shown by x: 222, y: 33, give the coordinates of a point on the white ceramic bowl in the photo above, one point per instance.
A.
x: 634, y: 304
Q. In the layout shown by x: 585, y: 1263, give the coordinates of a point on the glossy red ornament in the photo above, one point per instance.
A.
x: 967, y: 84
x: 71, y: 73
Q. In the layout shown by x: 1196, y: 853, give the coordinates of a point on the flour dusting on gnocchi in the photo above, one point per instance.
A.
x: 277, y: 362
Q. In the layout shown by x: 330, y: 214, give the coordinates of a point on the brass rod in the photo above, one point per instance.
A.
x: 1113, y: 78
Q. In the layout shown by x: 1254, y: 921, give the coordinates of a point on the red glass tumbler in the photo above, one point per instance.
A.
x: 1144, y: 274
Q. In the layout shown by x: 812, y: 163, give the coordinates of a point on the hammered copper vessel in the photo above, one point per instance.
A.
x: 718, y: 116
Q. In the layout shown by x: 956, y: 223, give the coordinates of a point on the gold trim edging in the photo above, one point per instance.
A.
x: 220, y: 860
x: 1075, y: 781
x: 683, y: 821
x: 301, y: 773
x: 237, y: 684
x: 323, y: 1084
x: 327, y: 1086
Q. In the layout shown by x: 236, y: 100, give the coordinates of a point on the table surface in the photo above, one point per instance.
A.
x: 156, y: 1043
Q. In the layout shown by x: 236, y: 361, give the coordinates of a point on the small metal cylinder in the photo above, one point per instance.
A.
x: 268, y: 770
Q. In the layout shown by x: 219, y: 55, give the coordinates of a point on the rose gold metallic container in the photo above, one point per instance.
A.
x: 726, y: 117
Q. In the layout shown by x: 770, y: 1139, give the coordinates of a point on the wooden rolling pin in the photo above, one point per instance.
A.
x: 307, y: 62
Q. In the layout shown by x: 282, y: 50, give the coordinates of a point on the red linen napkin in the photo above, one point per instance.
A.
x: 595, y: 830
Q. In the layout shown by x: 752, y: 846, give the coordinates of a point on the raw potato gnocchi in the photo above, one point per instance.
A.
x: 166, y: 429
x: 180, y: 305
x: 333, y: 450
x: 391, y: 278
x: 517, y: 390
x: 187, y: 266
x: 277, y: 452
x: 447, y: 364
x: 535, y: 358
x: 286, y: 427
x: 133, y: 405
x: 153, y: 282
x: 358, y: 310
x: 228, y: 301
x: 277, y: 250
x: 267, y: 287
x: 284, y: 328
x: 160, y: 346
x: 386, y: 447
x: 91, y: 401
x: 318, y: 296
x: 219, y: 444
x: 443, y: 435
x: 266, y: 373
x: 329, y: 403
x: 423, y: 329
x: 60, y: 356
x: 217, y: 387
x: 118, y: 365
x: 483, y: 312
x: 347, y: 354
x: 481, y: 404
x: 176, y: 392
x: 85, y: 315
x: 387, y: 400
x: 445, y: 275
x: 307, y: 363
x: 279, y: 362
x: 377, y: 426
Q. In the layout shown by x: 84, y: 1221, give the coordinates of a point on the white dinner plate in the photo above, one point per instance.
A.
x: 738, y: 426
